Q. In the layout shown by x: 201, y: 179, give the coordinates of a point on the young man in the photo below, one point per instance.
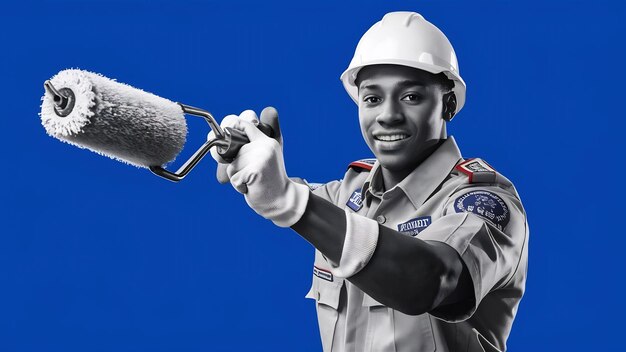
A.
x: 418, y: 249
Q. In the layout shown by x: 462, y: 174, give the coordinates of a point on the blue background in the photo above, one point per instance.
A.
x: 96, y: 255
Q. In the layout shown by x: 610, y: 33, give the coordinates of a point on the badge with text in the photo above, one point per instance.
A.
x: 356, y: 200
x: 323, y: 274
x: 486, y: 205
x: 415, y: 226
x: 476, y: 166
x: 477, y: 170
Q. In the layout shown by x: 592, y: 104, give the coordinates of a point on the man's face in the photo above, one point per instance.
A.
x: 400, y: 113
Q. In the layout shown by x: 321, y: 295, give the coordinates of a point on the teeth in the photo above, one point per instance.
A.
x: 391, y: 138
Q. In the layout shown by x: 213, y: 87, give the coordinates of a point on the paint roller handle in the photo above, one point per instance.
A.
x: 236, y: 139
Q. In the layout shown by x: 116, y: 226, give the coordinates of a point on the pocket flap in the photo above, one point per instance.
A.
x: 325, y: 292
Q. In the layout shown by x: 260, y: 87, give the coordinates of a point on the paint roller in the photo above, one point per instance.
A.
x: 128, y: 124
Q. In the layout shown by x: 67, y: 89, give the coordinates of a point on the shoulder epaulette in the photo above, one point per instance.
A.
x: 363, y: 164
x: 477, y: 170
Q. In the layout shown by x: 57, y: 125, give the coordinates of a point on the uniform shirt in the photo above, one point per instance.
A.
x: 465, y: 204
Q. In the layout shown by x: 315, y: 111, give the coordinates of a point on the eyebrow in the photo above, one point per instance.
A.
x: 401, y: 84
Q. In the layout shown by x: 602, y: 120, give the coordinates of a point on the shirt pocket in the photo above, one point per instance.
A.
x: 326, y: 294
x: 391, y: 330
x: 380, y: 334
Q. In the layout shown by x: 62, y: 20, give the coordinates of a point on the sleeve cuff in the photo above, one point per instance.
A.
x: 358, y: 247
x: 295, y: 198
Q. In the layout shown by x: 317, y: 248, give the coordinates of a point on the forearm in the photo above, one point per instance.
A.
x: 404, y: 273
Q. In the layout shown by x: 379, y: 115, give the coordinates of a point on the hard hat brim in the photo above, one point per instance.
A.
x: 348, y: 78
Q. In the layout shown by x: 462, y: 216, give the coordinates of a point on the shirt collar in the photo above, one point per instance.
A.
x: 422, y: 181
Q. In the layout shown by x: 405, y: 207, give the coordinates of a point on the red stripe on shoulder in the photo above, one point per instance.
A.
x: 463, y: 170
x: 361, y: 165
x: 477, y: 170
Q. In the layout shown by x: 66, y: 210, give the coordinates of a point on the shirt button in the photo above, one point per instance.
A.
x: 381, y: 219
x: 318, y: 296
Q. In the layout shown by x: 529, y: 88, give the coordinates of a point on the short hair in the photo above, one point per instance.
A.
x: 445, y: 83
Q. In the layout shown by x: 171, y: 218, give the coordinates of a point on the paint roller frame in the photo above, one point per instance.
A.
x: 228, y: 141
x: 220, y: 140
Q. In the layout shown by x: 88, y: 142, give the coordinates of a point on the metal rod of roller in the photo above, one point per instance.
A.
x: 59, y: 99
x: 219, y: 140
x: 188, y: 109
x: 188, y: 165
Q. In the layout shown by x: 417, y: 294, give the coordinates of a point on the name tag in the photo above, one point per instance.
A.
x: 415, y: 226
x: 323, y: 274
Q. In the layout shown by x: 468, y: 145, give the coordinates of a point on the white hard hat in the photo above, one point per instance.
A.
x: 407, y: 39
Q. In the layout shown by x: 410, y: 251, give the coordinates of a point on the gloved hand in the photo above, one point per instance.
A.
x: 259, y: 173
x: 269, y: 116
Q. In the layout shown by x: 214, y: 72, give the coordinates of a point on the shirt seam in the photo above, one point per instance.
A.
x: 521, y: 255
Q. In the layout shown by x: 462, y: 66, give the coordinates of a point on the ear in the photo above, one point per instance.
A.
x: 449, y: 106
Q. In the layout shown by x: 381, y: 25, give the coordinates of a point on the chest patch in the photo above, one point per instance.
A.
x: 415, y: 226
x: 323, y: 274
x: 356, y: 200
x: 486, y: 205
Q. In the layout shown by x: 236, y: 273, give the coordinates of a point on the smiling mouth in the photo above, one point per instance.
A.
x: 391, y: 137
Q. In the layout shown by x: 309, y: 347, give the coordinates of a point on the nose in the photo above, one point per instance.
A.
x: 390, y: 113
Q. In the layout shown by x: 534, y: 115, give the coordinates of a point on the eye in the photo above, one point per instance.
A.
x: 371, y: 99
x: 412, y: 97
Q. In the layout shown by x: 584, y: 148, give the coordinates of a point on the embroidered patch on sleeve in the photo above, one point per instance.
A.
x: 485, y: 204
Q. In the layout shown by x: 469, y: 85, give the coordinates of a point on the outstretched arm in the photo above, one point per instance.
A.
x: 404, y: 273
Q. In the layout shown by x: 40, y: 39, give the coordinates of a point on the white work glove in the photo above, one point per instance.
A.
x: 259, y: 173
x: 269, y: 116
